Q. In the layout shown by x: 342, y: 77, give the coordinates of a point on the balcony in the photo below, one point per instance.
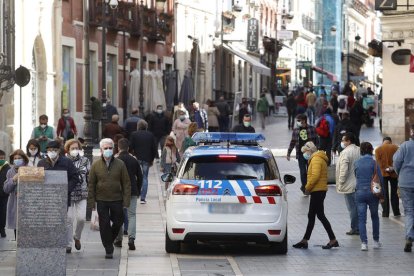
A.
x: 126, y: 17
x: 310, y: 24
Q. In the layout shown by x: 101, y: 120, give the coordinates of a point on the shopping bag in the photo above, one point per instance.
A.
x: 94, y: 221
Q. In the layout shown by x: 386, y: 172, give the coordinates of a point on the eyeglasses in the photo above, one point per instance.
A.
x: 107, y: 148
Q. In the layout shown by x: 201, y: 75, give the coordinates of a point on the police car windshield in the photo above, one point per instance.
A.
x: 227, y: 167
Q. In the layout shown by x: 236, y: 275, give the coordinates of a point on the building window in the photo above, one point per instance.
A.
x: 67, y: 88
x: 111, y: 81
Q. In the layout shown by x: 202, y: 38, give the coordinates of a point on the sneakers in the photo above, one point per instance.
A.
x: 408, y: 245
x: 143, y: 202
x: 3, y: 233
x: 125, y: 233
x: 77, y: 244
x: 131, y: 244
x: 377, y: 245
x: 364, y: 247
x: 109, y: 256
x: 118, y: 243
x: 352, y: 232
x: 68, y: 250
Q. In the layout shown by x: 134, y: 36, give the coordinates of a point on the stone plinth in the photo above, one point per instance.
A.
x: 41, y: 223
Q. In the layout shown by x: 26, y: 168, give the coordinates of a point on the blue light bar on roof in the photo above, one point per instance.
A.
x: 217, y: 137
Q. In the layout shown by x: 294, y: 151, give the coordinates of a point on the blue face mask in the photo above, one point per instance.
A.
x: 307, y: 156
x: 108, y: 153
x: 18, y: 162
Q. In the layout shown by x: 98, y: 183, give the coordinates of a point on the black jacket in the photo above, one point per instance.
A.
x: 242, y: 128
x: 134, y: 172
x: 63, y: 164
x: 343, y: 127
x: 3, y: 173
x: 142, y: 144
x: 159, y: 124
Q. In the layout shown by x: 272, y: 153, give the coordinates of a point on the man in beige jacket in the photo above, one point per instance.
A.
x: 345, y: 178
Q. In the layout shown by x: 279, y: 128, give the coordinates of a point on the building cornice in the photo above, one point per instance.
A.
x: 398, y: 26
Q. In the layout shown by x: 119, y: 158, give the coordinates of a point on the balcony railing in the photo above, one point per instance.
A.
x: 126, y: 17
x: 310, y: 24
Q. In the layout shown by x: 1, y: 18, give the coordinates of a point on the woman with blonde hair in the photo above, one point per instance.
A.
x: 78, y: 197
x: 170, y: 155
x: 188, y: 141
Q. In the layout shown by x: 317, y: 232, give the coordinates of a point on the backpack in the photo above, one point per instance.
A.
x: 322, y: 128
x: 342, y: 104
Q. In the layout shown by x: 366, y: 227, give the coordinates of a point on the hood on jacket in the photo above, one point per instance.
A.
x: 321, y: 154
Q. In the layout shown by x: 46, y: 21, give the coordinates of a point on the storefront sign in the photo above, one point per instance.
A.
x: 252, y: 34
x: 383, y: 5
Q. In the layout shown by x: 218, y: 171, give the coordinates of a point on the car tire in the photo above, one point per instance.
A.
x: 280, y: 247
x: 170, y: 245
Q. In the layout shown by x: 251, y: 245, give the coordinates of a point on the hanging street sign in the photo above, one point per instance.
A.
x: 252, y: 34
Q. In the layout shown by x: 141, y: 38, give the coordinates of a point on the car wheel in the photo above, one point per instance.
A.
x: 170, y: 245
x: 280, y: 247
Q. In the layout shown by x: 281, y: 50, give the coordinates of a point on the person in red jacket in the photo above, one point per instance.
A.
x: 66, y: 126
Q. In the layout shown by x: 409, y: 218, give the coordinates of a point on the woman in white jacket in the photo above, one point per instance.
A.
x: 345, y: 178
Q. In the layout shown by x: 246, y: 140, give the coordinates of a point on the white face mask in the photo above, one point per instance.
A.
x: 33, y: 152
x: 182, y: 117
x: 52, y: 154
x: 343, y: 145
x: 247, y: 124
x: 43, y: 126
x: 81, y: 153
x: 299, y: 124
x: 74, y: 152
x: 159, y: 111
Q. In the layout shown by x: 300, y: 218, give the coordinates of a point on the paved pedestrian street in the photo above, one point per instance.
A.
x: 150, y: 257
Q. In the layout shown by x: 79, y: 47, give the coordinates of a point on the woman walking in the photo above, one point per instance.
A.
x: 19, y: 159
x: 170, y: 155
x: 317, y: 185
x: 365, y: 169
x: 180, y: 128
x: 78, y: 198
x: 33, y: 152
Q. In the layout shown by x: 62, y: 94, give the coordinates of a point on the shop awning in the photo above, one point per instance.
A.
x: 257, y: 66
x: 331, y: 76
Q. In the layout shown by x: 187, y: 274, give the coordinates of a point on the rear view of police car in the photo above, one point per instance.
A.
x: 228, y: 189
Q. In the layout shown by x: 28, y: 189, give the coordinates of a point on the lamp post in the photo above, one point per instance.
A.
x: 141, y: 49
x: 195, y: 44
x: 87, y: 130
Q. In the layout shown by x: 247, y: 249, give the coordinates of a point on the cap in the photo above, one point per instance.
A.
x: 53, y: 144
x: 309, y: 146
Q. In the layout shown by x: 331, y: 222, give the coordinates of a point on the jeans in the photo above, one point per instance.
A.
x: 407, y: 197
x: 291, y: 119
x: 364, y: 199
x: 262, y: 116
x: 160, y: 141
x: 352, y: 209
x: 311, y: 115
x: 145, y: 169
x: 126, y: 218
x: 303, y: 168
x: 316, y: 209
x: 3, y: 211
x: 132, y: 220
x: 395, y: 201
x: 77, y: 216
x: 223, y: 123
x: 109, y: 211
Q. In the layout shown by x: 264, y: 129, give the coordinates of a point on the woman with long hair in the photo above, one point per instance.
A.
x: 18, y: 159
x: 33, y: 152
x: 365, y: 169
x: 170, y: 155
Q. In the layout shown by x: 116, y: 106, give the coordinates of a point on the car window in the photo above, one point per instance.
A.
x: 237, y: 167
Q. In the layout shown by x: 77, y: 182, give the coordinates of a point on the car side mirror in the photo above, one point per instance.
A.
x: 289, y: 179
x: 167, y: 177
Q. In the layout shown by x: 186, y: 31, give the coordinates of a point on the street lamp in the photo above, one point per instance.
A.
x: 195, y: 44
x: 113, y: 4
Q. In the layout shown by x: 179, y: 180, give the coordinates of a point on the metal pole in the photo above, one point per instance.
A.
x: 87, y: 130
x: 196, y: 73
x: 124, y: 87
x: 276, y: 55
x: 104, y: 96
x: 21, y: 117
x: 223, y: 56
x: 141, y: 49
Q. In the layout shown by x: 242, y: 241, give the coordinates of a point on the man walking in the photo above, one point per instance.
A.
x: 383, y: 155
x: 404, y: 167
x: 113, y: 128
x: 43, y: 133
x: 130, y: 124
x: 246, y: 126
x: 160, y: 126
x: 345, y: 178
x: 223, y: 118
x: 263, y: 109
x: 310, y: 102
x: 144, y: 148
x: 200, y: 116
x: 135, y: 177
x: 110, y: 189
x: 301, y: 134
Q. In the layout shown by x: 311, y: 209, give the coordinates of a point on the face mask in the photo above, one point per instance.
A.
x: 182, y: 117
x: 107, y: 153
x: 299, y: 124
x: 159, y: 111
x: 343, y: 145
x: 246, y: 124
x: 33, y: 152
x: 18, y: 162
x: 306, y: 155
x: 74, y: 153
x: 43, y: 126
x: 2, y: 162
x: 65, y: 114
x: 52, y: 154
x: 81, y: 153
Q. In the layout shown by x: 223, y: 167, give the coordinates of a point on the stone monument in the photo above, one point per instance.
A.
x: 41, y: 222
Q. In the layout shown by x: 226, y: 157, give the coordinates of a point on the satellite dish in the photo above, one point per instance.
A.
x: 22, y: 76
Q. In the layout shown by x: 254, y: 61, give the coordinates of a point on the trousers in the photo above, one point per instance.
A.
x: 109, y: 211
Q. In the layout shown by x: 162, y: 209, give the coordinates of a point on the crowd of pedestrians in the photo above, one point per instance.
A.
x: 322, y: 129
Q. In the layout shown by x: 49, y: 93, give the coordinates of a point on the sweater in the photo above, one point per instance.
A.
x: 109, y: 183
x: 404, y: 164
x: 317, y: 179
x: 134, y: 172
x: 143, y: 145
x: 383, y: 155
x: 262, y: 105
x: 345, y: 177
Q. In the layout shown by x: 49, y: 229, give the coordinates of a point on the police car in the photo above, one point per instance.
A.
x: 227, y: 188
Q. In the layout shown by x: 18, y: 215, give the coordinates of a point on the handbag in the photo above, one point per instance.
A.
x: 376, y: 188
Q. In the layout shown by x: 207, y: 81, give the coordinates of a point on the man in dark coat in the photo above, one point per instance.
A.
x: 130, y: 124
x: 135, y: 176
x: 224, y: 110
x: 160, y: 126
x: 356, y: 114
x: 344, y: 126
x: 143, y: 146
x: 113, y: 128
x: 246, y: 126
x: 291, y: 106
